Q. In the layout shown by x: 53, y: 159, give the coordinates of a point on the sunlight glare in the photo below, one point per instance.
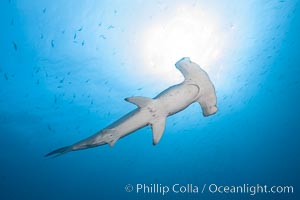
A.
x: 189, y: 32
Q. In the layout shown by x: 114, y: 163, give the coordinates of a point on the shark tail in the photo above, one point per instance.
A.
x: 60, y: 151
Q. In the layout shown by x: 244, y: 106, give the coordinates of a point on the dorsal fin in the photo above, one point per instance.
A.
x: 158, y: 127
x: 139, y: 101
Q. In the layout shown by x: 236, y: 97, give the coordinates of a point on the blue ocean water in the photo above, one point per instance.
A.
x: 66, y: 67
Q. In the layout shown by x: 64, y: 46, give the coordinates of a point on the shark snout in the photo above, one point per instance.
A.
x: 180, y: 62
x: 210, y: 110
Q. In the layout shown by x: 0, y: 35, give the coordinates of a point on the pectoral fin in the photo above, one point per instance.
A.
x: 110, y: 137
x: 158, y: 128
x: 113, y: 142
x: 139, y: 101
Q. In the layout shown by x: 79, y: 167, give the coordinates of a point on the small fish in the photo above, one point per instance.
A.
x: 12, y: 22
x: 5, y: 76
x: 68, y: 73
x: 115, y: 11
x: 62, y: 80
x: 55, y: 99
x: 42, y: 36
x: 49, y: 127
x: 74, y: 37
x: 38, y: 82
x: 82, y: 43
x: 52, y: 43
x: 80, y: 29
x: 59, y: 86
x: 100, y: 24
x: 103, y: 37
x: 44, y: 10
x: 110, y: 27
x: 15, y: 46
x: 88, y: 80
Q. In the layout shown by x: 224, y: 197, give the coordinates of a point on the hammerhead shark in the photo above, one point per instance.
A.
x: 196, y: 87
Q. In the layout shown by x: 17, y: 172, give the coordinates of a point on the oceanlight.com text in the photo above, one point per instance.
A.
x: 248, y: 189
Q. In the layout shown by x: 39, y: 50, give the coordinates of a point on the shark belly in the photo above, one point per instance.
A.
x: 131, y: 122
x: 127, y: 124
x: 178, y: 97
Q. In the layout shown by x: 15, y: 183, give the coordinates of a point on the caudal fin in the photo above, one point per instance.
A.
x: 60, y: 151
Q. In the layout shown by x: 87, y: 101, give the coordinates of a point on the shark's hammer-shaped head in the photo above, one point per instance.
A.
x: 193, y: 74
